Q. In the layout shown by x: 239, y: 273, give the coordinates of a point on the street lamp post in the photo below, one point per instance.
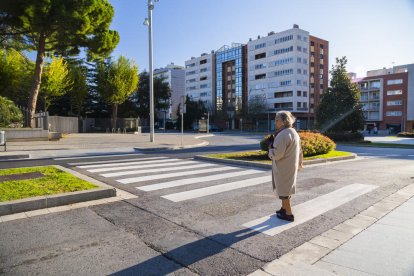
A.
x: 148, y: 22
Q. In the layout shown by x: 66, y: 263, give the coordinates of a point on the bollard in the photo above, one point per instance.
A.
x: 3, y: 139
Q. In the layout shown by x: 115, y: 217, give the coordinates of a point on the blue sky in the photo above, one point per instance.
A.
x: 371, y: 33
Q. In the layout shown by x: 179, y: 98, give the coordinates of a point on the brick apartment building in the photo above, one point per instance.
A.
x: 387, y: 96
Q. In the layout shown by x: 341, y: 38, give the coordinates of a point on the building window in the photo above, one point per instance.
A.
x: 298, y: 104
x: 299, y: 48
x: 299, y: 71
x: 285, y: 83
x: 320, y: 86
x: 204, y: 94
x: 305, y: 61
x: 299, y: 37
x: 203, y: 78
x: 305, y: 38
x: 283, y: 105
x: 298, y: 82
x: 283, y: 50
x: 299, y: 93
x: 190, y: 65
x: 259, y: 56
x: 204, y: 61
x: 321, y: 46
x: 191, y: 80
x: 375, y: 84
x: 305, y: 105
x: 394, y: 113
x: 305, y: 72
x: 203, y: 86
x: 312, y: 43
x: 203, y: 70
x: 397, y: 102
x: 299, y: 60
x: 259, y: 46
x: 260, y: 66
x: 305, y: 94
x: 283, y: 39
x: 284, y: 94
x: 282, y: 73
x: 191, y: 73
x: 305, y: 50
x: 394, y: 92
x: 260, y: 76
x: 283, y: 61
x: 397, y: 81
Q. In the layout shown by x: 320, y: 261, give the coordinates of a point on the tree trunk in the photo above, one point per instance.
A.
x: 37, y: 78
x: 114, y: 114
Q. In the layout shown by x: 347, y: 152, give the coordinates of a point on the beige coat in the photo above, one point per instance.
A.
x: 287, y: 158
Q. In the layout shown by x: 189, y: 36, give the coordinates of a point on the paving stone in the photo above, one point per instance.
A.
x: 59, y: 209
x: 259, y: 273
x: 326, y: 242
x: 346, y: 228
x: 337, y: 235
x: 374, y: 212
x: 340, y: 270
x: 361, y: 221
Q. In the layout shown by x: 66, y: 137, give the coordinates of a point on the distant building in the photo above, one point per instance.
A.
x: 387, y: 96
x: 288, y: 69
x: 174, y: 75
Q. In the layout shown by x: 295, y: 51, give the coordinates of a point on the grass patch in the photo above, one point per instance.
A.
x: 54, y: 182
x: 379, y: 145
x: 261, y: 156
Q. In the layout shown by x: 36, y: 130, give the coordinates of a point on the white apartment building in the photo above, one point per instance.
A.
x: 278, y: 69
x: 199, y: 78
x: 174, y: 75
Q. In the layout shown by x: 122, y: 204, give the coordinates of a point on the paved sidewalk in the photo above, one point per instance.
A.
x: 390, y: 139
x: 82, y: 144
x: 378, y: 241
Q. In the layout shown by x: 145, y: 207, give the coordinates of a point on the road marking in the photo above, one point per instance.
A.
x: 177, y: 197
x: 164, y: 169
x: 168, y: 175
x: 182, y: 182
x: 271, y: 225
x: 94, y: 156
x: 144, y: 161
x: 114, y: 161
x: 140, y: 166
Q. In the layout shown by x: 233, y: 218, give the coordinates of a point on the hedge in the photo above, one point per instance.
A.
x: 312, y: 143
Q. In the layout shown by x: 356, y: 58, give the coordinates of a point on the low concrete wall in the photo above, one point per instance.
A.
x: 64, y: 124
x: 33, y: 134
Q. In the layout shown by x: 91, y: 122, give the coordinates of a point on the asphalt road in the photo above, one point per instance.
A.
x: 182, y: 229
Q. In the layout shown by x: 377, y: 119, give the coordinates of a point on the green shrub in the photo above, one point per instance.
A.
x: 10, y: 114
x: 406, y: 134
x: 345, y: 136
x: 312, y: 143
x: 315, y: 143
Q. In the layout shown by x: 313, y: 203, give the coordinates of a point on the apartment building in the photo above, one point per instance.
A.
x: 174, y: 75
x: 288, y: 69
x: 200, y: 79
x: 387, y: 96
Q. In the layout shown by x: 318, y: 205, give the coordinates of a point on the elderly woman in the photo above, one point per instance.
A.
x: 286, y: 155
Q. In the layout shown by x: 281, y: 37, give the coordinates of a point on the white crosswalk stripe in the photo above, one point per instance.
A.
x: 114, y: 161
x: 139, y: 166
x: 271, y: 225
x: 188, y: 181
x: 217, y: 189
x: 159, y: 170
x: 152, y: 160
x: 170, y: 175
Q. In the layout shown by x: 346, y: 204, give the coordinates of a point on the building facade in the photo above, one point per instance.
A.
x: 200, y: 80
x: 277, y: 68
x: 387, y: 97
x: 174, y: 75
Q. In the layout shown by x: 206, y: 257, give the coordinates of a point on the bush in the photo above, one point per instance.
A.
x: 345, y: 136
x: 315, y: 143
x: 312, y: 143
x: 10, y: 114
x: 406, y: 134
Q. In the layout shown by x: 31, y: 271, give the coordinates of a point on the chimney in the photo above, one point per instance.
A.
x: 295, y: 26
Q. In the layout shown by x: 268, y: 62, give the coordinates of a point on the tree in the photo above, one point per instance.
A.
x: 10, y: 114
x: 15, y: 73
x: 61, y: 26
x: 116, y: 82
x: 57, y: 80
x: 194, y: 111
x: 162, y: 94
x: 339, y: 109
x: 79, y: 89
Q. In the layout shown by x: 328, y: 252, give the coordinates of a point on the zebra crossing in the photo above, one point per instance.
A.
x: 165, y: 171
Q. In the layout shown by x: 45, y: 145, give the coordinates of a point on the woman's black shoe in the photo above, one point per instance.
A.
x: 281, y: 211
x: 284, y: 216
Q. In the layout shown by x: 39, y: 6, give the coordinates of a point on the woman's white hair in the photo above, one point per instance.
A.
x: 287, y: 118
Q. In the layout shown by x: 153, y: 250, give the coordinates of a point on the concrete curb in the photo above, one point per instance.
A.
x: 30, y: 204
x: 269, y: 166
x: 205, y: 143
x: 14, y: 157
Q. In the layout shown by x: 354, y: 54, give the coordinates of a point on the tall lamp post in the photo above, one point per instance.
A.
x: 148, y: 22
